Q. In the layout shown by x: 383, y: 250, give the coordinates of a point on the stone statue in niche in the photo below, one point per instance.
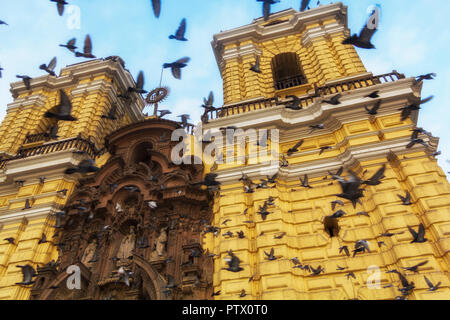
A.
x: 161, y: 244
x: 126, y: 248
x: 89, y: 254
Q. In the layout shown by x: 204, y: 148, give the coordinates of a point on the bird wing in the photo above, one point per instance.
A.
x: 140, y: 80
x: 413, y: 232
x: 156, y: 4
x: 379, y: 174
x: 426, y: 100
x: 366, y: 33
x: 376, y: 106
x: 71, y: 43
x: 65, y: 106
x: 210, y: 101
x: 176, y: 72
x: 421, y: 231
x: 299, y: 144
x: 266, y: 10
x: 429, y: 283
x: 60, y: 7
x: 183, y: 60
x: 304, y: 5
x: 87, y: 45
x: 181, y: 29
x: 52, y: 64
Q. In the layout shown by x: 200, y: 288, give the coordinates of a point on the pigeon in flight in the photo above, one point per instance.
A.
x: 177, y: 66
x: 270, y: 255
x: 266, y: 7
x: 28, y: 274
x: 64, y: 109
x: 50, y: 67
x: 406, y: 200
x: 428, y: 76
x: 418, y: 237
x: 112, y: 113
x: 87, y: 49
x: 3, y: 22
x: 374, y: 110
x: 139, y: 88
x: 305, y: 182
x: 334, y: 100
x: 10, y: 240
x: 406, y: 111
x: 431, y: 285
x: 294, y: 149
x: 304, y: 5
x: 256, y: 67
x: 373, y: 95
x: 315, y: 127
x: 156, y: 4
x: 295, y: 104
x: 208, y: 103
x: 1, y: 69
x: 375, y: 179
x: 415, y: 268
x: 363, y: 39
x: 70, y: 45
x: 179, y: 34
x: 233, y: 263
x: 26, y: 81
x: 60, y: 6
x: 85, y: 166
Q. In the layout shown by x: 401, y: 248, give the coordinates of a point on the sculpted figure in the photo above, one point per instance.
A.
x: 127, y: 246
x: 161, y: 242
x: 89, y: 253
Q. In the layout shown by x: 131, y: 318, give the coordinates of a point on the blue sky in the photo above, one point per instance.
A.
x: 413, y: 38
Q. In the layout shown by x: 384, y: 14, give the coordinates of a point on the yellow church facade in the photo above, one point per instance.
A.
x: 301, y: 54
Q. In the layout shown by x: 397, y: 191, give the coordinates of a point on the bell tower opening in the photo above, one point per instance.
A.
x: 287, y: 71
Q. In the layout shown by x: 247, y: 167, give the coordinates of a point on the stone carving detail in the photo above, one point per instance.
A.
x: 120, y: 231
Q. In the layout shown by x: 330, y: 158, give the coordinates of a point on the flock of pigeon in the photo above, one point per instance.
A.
x: 352, y: 187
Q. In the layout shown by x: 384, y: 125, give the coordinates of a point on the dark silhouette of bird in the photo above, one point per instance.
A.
x: 283, y: 162
x: 228, y: 234
x: 28, y: 273
x: 50, y: 67
x: 338, y: 214
x: 294, y: 149
x: 156, y: 5
x: 270, y: 255
x: 334, y: 100
x: 428, y: 76
x: 418, y: 237
x: 64, y: 109
x: 374, y: 110
x: 184, y: 119
x: 266, y: 7
x: 304, y: 5
x: 3, y: 22
x: 350, y: 188
x: 242, y: 294
x: 406, y: 200
x: 163, y: 113
x: 279, y: 236
x: 413, y: 142
x: 373, y: 95
x: 1, y: 69
x: 295, y: 261
x: 415, y: 268
x: 295, y: 104
x: 10, y: 240
x: 215, y: 294
x: 87, y: 49
x: 305, y: 182
x: 210, y: 180
x: 85, y: 166
x: 177, y: 66
x: 350, y: 275
x: 407, y: 111
x: 263, y: 211
x: 208, y: 103
x: 70, y: 45
x: 363, y: 213
x: 53, y: 133
x: 318, y: 271
x: 272, y: 179
x: 361, y: 246
x: 59, y: 216
x: 179, y: 34
x: 345, y: 249
x: 111, y: 113
x: 431, y: 286
x: 43, y: 239
x: 316, y: 127
x: 139, y: 88
x: 407, y: 287
x: 241, y: 234
x: 375, y: 179
x: 27, y: 205
x: 323, y: 149
x: 257, y: 66
x: 26, y: 81
x: 233, y: 263
x: 60, y: 6
x: 363, y: 39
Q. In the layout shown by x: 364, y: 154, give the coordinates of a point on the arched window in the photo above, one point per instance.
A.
x: 287, y: 71
x: 142, y: 153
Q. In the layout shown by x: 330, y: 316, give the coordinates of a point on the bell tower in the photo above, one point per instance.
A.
x: 294, y: 50
x: 303, y: 65
x: 35, y: 151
